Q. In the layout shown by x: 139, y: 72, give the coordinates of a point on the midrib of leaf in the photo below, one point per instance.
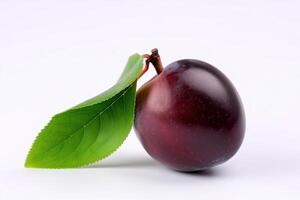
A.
x: 85, y: 125
x: 99, y: 115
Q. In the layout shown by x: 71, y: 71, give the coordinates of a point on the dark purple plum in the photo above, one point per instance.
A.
x: 189, y: 117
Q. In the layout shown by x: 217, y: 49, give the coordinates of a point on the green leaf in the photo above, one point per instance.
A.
x: 91, y: 130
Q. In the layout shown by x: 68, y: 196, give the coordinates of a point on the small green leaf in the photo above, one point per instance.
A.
x: 91, y: 130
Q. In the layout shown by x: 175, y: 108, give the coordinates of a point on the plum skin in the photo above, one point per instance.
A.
x: 189, y: 117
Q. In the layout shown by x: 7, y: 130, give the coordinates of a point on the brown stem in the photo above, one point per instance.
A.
x: 156, y: 61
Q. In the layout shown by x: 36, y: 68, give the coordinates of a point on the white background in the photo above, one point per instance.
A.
x: 55, y: 54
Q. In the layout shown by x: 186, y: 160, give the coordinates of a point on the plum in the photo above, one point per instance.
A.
x: 189, y: 116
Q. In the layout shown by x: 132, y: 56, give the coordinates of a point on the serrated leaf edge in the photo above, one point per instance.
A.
x: 92, y: 162
x: 128, y: 85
